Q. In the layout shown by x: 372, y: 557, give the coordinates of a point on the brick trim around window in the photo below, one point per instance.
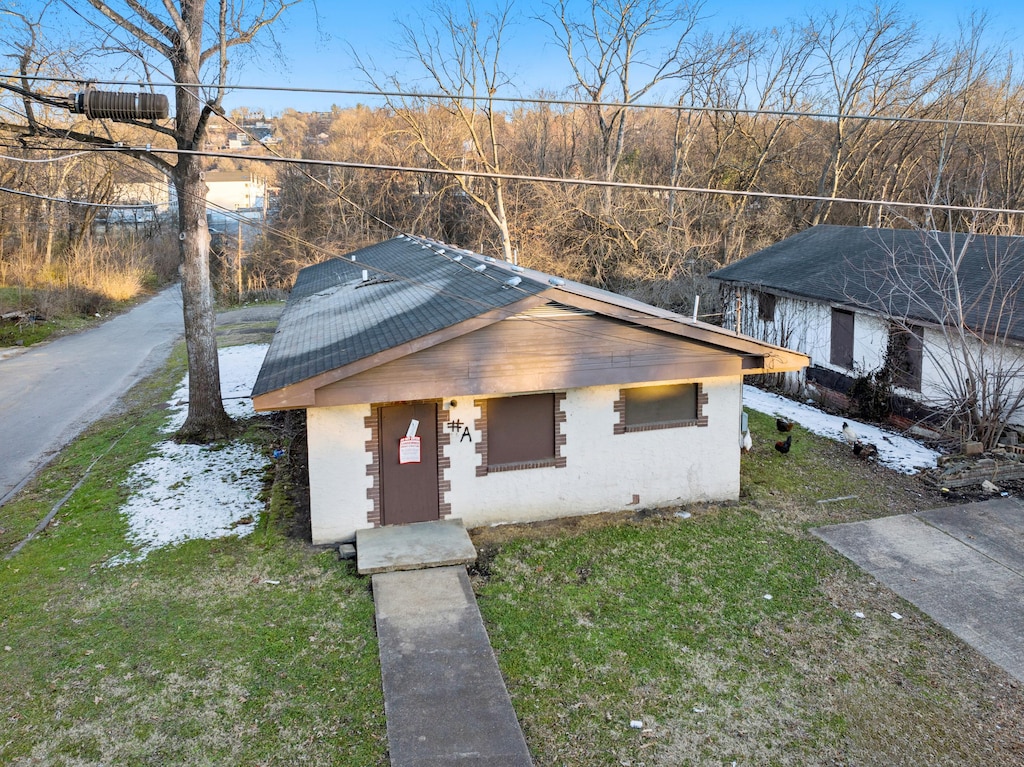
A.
x: 444, y: 462
x: 620, y: 409
x: 559, y: 460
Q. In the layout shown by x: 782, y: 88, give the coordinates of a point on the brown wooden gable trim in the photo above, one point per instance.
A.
x: 480, y: 424
x: 620, y: 410
x: 444, y: 462
x: 521, y: 356
x: 772, y: 358
x: 303, y: 393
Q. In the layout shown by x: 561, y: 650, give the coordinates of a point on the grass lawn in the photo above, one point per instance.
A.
x: 261, y: 650
x: 252, y: 651
x: 666, y: 621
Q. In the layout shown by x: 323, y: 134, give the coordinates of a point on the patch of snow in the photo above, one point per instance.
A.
x: 188, y: 492
x: 239, y: 366
x: 894, y: 450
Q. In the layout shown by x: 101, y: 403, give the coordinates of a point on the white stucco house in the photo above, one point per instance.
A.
x: 234, y: 190
x: 442, y: 384
x: 939, y: 307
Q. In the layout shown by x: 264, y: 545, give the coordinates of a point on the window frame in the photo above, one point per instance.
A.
x: 908, y: 357
x: 839, y: 355
x: 621, y: 406
x: 485, y: 424
x: 766, y: 303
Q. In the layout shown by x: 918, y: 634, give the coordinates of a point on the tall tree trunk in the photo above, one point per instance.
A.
x: 206, y: 418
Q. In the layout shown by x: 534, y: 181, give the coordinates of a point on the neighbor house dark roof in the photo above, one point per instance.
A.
x: 384, y: 302
x: 901, y: 273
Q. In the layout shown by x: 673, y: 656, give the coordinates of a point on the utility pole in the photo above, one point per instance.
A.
x: 238, y: 261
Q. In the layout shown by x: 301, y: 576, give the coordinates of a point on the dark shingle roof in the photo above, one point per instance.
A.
x: 334, y: 317
x: 897, y: 272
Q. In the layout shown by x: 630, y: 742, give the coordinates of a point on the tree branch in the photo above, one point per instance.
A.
x: 164, y: 49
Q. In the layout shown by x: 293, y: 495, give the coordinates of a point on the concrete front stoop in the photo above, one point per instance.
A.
x: 413, y: 547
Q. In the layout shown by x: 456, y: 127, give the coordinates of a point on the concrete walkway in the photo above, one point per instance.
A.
x: 444, y: 698
x: 963, y: 565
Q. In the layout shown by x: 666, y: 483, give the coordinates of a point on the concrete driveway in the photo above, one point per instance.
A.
x: 962, y: 565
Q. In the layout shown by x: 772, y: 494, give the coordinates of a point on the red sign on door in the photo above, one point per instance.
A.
x: 409, y: 450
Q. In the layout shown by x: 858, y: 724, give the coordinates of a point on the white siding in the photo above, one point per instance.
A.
x: 337, y: 471
x: 806, y: 326
x: 603, y: 470
x: 937, y: 368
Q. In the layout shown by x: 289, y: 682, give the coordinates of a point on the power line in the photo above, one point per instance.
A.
x: 570, y: 181
x: 83, y: 203
x: 438, y: 250
x: 412, y: 95
x: 44, y: 159
x: 441, y: 249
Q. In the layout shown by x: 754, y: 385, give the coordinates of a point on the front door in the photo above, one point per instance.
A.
x: 409, y: 491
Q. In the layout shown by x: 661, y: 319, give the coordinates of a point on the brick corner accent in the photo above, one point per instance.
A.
x: 444, y: 462
x: 372, y: 422
x: 560, y: 436
x: 480, y: 424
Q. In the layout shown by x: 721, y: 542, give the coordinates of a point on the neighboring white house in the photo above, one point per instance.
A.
x: 439, y: 383
x: 234, y: 190
x: 155, y: 192
x: 849, y: 296
x: 136, y: 205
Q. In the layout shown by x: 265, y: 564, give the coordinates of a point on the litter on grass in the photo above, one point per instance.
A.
x: 188, y: 492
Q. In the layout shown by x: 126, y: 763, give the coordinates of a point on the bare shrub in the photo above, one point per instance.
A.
x: 164, y: 258
x: 116, y: 269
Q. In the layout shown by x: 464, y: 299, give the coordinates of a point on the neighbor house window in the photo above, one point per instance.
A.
x: 842, y: 339
x: 906, y: 354
x: 660, y: 407
x: 521, y: 432
x: 766, y: 306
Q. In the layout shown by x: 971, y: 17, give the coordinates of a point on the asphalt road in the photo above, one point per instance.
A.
x: 50, y: 393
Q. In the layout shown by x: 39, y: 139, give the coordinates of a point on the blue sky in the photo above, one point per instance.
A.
x: 320, y: 58
x: 315, y: 38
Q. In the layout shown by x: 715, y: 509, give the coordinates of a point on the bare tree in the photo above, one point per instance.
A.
x: 874, y: 67
x: 966, y: 289
x: 459, y: 51
x: 193, y: 44
x: 611, y: 48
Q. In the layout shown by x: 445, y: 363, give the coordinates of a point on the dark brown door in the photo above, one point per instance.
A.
x: 409, y: 491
